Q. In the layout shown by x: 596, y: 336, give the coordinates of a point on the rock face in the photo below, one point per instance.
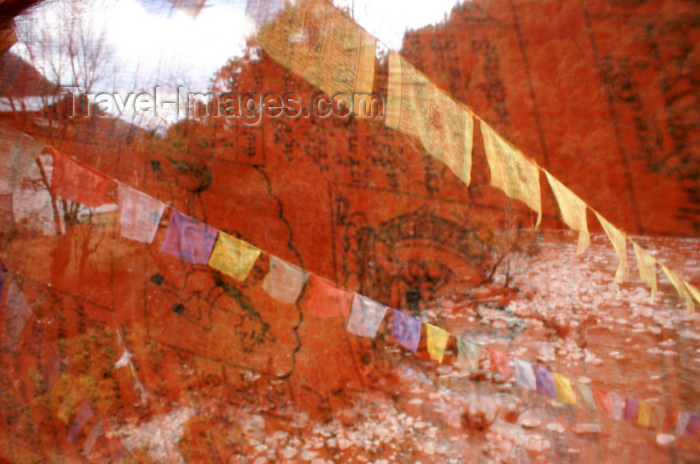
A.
x: 601, y: 93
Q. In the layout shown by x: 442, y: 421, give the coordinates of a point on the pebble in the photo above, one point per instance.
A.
x: 530, y: 423
x: 665, y: 439
x: 555, y: 427
x: 586, y: 429
x: 343, y: 443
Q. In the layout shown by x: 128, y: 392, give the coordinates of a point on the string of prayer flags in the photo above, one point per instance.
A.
x: 499, y: 362
x: 545, y: 382
x: 565, y: 393
x: 647, y: 269
x: 644, y: 414
x: 327, y: 300
x: 317, y: 41
x: 602, y: 400
x: 619, y: 242
x: 585, y: 395
x: 320, y: 43
x: 618, y: 406
x: 366, y: 316
x: 437, y: 339
x: 189, y: 239
x: 406, y: 330
x: 417, y: 107
x: 573, y: 211
x: 524, y: 375
x: 284, y: 282
x: 75, y: 181
x: 468, y: 354
x: 678, y: 284
x: 511, y: 171
x: 233, y: 256
x: 139, y: 214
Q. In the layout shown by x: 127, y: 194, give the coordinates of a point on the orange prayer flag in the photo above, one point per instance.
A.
x: 499, y: 362
x: 76, y: 181
x: 327, y: 300
x: 602, y: 400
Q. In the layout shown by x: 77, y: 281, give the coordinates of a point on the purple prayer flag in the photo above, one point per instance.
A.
x: 189, y: 239
x: 545, y: 382
x: 631, y: 408
x: 406, y: 330
x: 693, y: 425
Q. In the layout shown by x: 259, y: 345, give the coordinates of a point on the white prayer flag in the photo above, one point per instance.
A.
x: 366, y: 316
x: 285, y: 281
x: 139, y: 214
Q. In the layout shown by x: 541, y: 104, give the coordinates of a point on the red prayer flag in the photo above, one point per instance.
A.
x: 602, y: 400
x: 327, y: 300
x: 76, y: 181
x: 500, y: 362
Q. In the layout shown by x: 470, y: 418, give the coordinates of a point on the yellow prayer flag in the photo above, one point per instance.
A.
x: 511, y: 171
x: 573, y: 211
x: 678, y: 284
x: 647, y: 269
x: 693, y: 291
x: 417, y: 107
x: 317, y: 41
x: 565, y: 394
x: 644, y: 414
x: 619, y: 242
x: 233, y: 256
x: 437, y: 341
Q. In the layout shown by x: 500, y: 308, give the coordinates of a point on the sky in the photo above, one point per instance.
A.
x: 151, y: 43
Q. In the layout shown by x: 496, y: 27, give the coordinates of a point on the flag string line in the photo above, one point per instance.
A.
x: 527, y: 375
x: 685, y: 290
